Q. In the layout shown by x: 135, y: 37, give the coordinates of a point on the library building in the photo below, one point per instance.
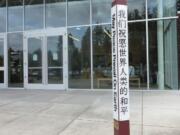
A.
x: 66, y: 44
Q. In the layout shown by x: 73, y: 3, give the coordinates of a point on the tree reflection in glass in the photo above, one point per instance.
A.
x: 79, y: 57
x: 55, y: 59
x: 161, y: 8
x: 102, y: 56
x: 136, y: 9
x: 137, y: 55
x: 101, y: 11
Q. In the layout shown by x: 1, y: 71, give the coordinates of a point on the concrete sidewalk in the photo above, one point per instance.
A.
x: 35, y: 112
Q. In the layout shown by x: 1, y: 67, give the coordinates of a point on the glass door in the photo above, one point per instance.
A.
x: 34, y: 49
x: 45, y: 60
x: 33, y: 60
x: 55, y: 59
x: 15, y: 60
x: 2, y: 63
x: 57, y: 52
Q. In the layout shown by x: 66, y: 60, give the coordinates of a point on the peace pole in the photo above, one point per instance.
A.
x: 120, y: 67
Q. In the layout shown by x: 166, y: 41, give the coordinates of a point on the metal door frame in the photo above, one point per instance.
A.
x: 5, y: 67
x: 44, y: 34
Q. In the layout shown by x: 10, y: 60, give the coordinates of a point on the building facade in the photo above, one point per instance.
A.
x: 66, y: 44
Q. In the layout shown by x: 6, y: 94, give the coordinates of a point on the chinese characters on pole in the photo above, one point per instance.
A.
x: 120, y: 67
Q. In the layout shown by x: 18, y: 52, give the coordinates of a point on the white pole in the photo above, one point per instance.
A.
x: 120, y: 67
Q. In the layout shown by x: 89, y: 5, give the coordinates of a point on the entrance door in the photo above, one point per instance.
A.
x: 45, y: 60
x: 3, y: 71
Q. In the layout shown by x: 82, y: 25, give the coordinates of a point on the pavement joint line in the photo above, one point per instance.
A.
x: 63, y: 101
x: 11, y: 121
x: 2, y: 105
x: 93, y: 120
x: 26, y: 113
x: 44, y: 109
x: 156, y: 107
x: 29, y: 96
x: 85, y: 110
x: 146, y: 125
x: 20, y: 113
x: 14, y: 113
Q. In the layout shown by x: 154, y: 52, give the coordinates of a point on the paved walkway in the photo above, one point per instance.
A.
x: 35, y: 112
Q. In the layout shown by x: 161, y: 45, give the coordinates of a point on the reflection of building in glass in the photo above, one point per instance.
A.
x: 66, y: 44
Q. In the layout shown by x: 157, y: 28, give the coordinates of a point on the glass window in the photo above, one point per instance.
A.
x: 79, y: 57
x: 78, y: 12
x: 1, y: 77
x: 101, y: 11
x: 153, y: 55
x: 15, y: 59
x: 136, y: 9
x: 169, y: 8
x: 34, y: 14
x: 55, y: 13
x: 2, y: 15
x: 55, y: 76
x: 1, y: 52
x: 35, y: 52
x: 102, y: 57
x: 152, y: 8
x: 1, y: 60
x: 55, y: 51
x: 163, y: 55
x: 161, y: 8
x: 170, y: 54
x: 15, y: 15
x: 178, y: 5
x: 137, y: 55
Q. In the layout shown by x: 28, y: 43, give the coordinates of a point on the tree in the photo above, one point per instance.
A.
x: 74, y: 56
